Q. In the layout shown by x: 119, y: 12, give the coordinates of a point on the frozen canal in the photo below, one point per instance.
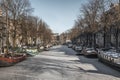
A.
x: 59, y: 63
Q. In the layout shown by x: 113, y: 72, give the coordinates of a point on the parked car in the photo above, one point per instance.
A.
x: 70, y: 45
x: 46, y: 48
x: 89, y: 52
x: 24, y: 46
x: 73, y: 46
x: 41, y: 47
x: 78, y: 48
x: 109, y: 55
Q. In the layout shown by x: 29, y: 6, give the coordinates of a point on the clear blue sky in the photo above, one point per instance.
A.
x: 58, y: 14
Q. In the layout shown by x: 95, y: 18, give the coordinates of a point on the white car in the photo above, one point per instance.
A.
x: 41, y: 47
x: 110, y: 55
x: 78, y: 48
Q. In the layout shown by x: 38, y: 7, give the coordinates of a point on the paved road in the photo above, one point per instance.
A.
x: 59, y: 63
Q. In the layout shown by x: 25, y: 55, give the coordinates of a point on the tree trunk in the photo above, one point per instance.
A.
x: 104, y: 38
x: 87, y: 39
x: 14, y: 32
x: 94, y: 40
x: 116, y: 36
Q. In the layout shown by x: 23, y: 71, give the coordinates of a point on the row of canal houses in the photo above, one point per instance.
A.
x: 106, y: 35
x: 6, y: 36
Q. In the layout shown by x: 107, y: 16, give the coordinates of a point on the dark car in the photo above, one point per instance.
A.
x: 70, y: 45
x: 89, y: 52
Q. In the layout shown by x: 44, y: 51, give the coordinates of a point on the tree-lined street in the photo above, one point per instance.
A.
x: 59, y: 63
x: 59, y: 39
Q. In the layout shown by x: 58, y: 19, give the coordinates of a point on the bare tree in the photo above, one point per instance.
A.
x: 15, y: 8
x: 91, y: 16
x: 44, y: 32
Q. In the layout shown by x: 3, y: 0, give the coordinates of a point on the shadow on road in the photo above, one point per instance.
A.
x: 65, y: 49
x: 100, y: 67
x: 51, y: 66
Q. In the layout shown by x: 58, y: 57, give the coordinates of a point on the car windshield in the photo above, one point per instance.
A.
x: 89, y: 49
